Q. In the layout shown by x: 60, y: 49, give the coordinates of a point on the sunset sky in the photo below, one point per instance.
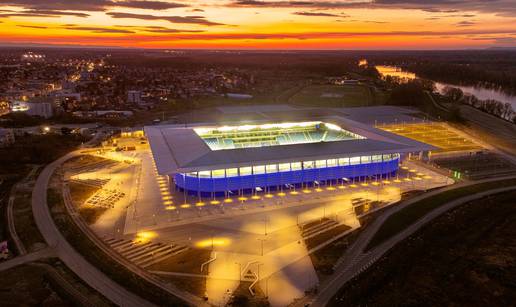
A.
x: 248, y: 24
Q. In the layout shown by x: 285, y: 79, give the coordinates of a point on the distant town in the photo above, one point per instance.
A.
x: 256, y: 178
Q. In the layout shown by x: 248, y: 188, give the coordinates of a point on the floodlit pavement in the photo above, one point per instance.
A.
x: 120, y: 176
x: 237, y: 230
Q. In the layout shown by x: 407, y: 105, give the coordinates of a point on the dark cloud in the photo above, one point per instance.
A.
x: 100, y: 30
x: 200, y: 20
x: 56, y: 13
x: 500, y: 7
x: 91, y: 5
x: 159, y: 29
x: 319, y: 14
x: 465, y: 23
x: 436, y: 10
x: 165, y: 30
x: 369, y: 21
x: 334, y: 35
x: 32, y: 27
x: 149, y: 5
x: 35, y: 13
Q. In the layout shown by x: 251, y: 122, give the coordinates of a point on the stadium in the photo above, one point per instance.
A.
x: 215, y: 160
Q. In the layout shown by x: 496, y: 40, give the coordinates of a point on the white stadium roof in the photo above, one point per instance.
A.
x: 179, y: 149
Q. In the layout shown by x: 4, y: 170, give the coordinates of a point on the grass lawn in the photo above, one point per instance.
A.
x: 333, y: 96
x: 80, y: 193
x: 405, y: 217
x: 27, y: 285
x: 325, y: 258
x: 24, y: 222
x: 464, y: 257
x: 325, y: 236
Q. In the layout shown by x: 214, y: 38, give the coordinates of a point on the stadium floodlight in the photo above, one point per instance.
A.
x: 332, y: 127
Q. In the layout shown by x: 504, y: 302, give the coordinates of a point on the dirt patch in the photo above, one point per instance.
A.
x: 81, y: 192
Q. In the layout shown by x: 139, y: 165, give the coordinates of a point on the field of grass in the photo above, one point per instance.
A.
x: 33, y: 285
x: 80, y: 193
x: 333, y: 96
x: 325, y: 258
x: 405, y: 217
x: 325, y: 236
x: 24, y: 222
x: 463, y: 258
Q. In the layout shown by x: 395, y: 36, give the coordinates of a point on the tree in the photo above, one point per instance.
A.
x: 411, y: 93
x: 453, y: 93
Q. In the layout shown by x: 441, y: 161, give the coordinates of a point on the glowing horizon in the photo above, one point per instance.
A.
x: 196, y: 24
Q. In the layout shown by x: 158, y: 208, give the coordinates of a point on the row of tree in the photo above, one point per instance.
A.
x: 488, y: 76
x: 491, y: 106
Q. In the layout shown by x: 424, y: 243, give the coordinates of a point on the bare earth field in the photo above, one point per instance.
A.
x: 466, y: 257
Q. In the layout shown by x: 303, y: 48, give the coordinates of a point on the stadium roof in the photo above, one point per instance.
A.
x: 177, y: 148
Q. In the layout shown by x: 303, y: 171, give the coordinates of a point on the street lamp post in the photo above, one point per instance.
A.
x: 239, y: 271
x: 262, y: 240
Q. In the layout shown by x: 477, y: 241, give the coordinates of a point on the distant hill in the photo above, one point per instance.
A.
x: 503, y: 48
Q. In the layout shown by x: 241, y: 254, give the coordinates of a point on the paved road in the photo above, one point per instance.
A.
x: 355, y: 260
x: 75, y: 261
x: 42, y: 253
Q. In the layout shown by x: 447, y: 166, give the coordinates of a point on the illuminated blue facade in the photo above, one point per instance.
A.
x: 207, y: 182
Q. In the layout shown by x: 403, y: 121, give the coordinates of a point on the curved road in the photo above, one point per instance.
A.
x: 356, y: 261
x: 80, y: 266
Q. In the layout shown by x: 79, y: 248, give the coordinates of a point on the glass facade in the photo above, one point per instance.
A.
x: 286, y: 167
x: 274, y: 175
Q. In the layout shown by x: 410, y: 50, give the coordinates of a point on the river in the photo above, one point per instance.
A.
x: 481, y: 93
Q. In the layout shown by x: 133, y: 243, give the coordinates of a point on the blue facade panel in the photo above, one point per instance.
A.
x: 208, y: 185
